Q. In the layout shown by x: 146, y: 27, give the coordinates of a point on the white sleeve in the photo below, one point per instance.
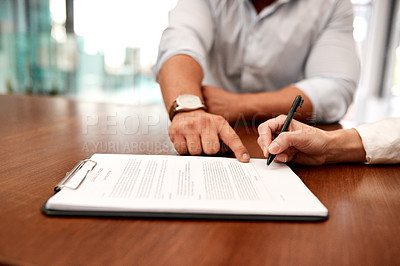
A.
x: 381, y: 141
x: 332, y: 69
x: 190, y: 31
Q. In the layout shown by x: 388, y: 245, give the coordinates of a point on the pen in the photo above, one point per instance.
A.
x: 298, y: 102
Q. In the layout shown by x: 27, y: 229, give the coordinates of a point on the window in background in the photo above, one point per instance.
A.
x: 362, y: 16
x: 6, y: 47
x: 26, y: 63
x: 113, y: 48
x: 391, y: 85
x: 374, y: 96
x: 99, y: 50
x: 362, y: 27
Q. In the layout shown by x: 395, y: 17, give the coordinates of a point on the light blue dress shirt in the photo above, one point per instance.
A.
x: 305, y: 43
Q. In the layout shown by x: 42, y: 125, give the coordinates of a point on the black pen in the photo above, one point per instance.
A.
x: 298, y: 102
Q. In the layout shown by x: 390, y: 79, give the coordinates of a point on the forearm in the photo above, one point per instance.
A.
x: 265, y: 105
x: 344, y: 145
x: 180, y: 74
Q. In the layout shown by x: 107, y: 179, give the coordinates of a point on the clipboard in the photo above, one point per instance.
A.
x: 75, y: 178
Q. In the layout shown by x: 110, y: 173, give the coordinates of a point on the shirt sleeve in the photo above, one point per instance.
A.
x: 190, y: 31
x: 381, y: 141
x: 332, y: 69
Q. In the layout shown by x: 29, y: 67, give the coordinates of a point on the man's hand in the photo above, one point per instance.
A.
x: 197, y: 131
x: 222, y: 102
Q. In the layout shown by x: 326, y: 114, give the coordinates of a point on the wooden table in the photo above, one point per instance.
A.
x: 42, y: 138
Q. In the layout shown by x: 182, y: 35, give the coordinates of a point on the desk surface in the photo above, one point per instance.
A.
x: 42, y: 138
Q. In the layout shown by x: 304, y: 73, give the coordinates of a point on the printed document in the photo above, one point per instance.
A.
x: 186, y: 184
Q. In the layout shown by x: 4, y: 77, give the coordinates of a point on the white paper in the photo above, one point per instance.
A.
x: 189, y: 184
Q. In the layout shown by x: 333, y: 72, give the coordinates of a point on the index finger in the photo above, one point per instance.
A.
x: 266, y: 130
x: 230, y: 138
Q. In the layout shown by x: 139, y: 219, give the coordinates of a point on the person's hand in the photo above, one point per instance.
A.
x: 197, y: 131
x: 222, y: 102
x: 300, y: 144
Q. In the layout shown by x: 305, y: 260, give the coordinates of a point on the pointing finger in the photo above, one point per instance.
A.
x: 230, y: 138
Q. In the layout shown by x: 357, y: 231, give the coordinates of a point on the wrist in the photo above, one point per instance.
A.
x: 185, y: 103
x: 189, y: 114
x: 344, y: 145
x: 252, y: 106
x: 235, y: 109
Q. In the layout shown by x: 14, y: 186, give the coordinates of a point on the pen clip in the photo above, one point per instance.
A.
x: 301, y: 103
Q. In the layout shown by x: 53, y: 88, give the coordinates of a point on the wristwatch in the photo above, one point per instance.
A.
x: 185, y: 103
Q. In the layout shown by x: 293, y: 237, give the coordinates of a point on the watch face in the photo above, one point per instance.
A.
x: 189, y: 101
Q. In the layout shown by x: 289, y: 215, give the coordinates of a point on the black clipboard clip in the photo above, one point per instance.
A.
x: 70, y: 174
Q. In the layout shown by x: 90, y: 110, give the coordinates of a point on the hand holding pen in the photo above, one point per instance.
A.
x: 298, y: 102
x: 308, y: 145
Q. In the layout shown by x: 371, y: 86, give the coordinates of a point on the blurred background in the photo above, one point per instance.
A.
x: 103, y: 50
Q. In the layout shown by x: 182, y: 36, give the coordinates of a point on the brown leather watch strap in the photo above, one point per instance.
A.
x: 172, y: 110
